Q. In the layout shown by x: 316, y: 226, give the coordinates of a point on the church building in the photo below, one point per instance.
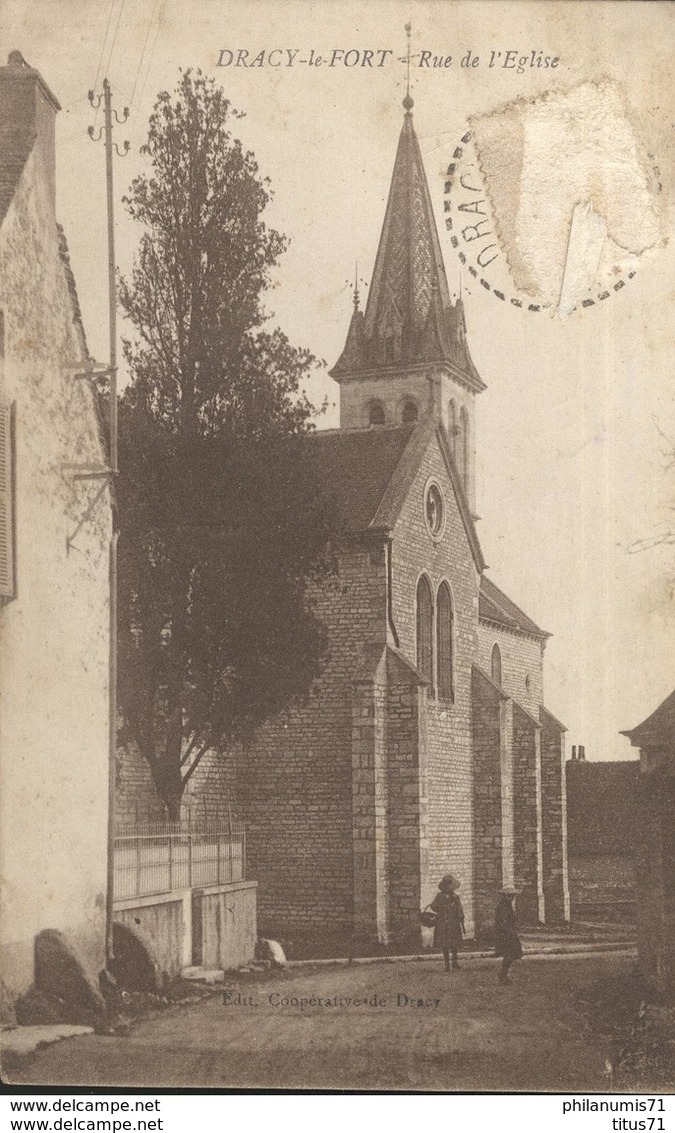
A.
x: 425, y: 747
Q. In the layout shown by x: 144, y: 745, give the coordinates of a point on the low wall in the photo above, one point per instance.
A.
x: 214, y: 927
x: 224, y: 924
x: 603, y: 888
x: 164, y: 924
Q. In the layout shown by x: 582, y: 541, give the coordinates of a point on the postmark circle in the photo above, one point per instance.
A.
x: 473, y: 232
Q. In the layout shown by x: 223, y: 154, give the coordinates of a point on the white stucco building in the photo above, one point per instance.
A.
x: 54, y: 570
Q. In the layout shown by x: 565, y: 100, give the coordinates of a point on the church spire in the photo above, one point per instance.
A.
x: 409, y: 317
x: 407, y: 101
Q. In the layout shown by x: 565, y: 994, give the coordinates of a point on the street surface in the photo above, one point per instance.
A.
x: 419, y: 1029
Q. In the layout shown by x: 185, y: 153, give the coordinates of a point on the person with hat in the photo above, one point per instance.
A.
x: 507, y: 941
x: 449, y: 928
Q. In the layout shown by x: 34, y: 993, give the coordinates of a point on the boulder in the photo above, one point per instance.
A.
x: 270, y: 950
x: 60, y: 973
x: 134, y: 966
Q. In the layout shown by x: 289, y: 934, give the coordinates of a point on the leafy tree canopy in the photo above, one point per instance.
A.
x: 221, y: 525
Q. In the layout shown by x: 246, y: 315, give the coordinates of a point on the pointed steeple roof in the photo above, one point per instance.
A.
x: 409, y: 316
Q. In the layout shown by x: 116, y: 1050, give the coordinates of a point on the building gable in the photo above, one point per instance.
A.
x: 428, y: 432
x: 369, y: 473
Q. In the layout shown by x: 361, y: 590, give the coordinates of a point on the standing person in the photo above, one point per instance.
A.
x: 449, y: 929
x: 507, y: 941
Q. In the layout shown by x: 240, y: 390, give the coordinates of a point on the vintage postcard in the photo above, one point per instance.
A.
x: 337, y: 434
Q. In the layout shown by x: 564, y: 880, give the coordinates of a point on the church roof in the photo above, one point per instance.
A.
x: 369, y: 473
x: 409, y: 317
x: 356, y: 466
x: 494, y: 606
x: 658, y: 730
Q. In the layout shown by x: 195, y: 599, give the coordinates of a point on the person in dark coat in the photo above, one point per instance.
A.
x: 449, y: 928
x: 507, y: 941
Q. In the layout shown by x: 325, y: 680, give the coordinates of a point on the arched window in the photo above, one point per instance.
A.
x: 496, y: 664
x: 444, y: 641
x: 463, y: 444
x: 376, y: 413
x: 409, y: 412
x: 425, y: 617
x: 452, y: 427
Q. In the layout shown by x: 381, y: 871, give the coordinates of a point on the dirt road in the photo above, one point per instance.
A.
x: 403, y: 1025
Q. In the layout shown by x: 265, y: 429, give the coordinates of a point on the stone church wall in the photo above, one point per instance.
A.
x: 527, y: 816
x: 554, y: 821
x: 295, y: 779
x: 521, y: 659
x: 370, y: 801
x: 489, y: 742
x: 407, y: 809
x: 449, y: 759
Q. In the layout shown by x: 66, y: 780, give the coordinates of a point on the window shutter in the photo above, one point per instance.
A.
x: 7, y: 587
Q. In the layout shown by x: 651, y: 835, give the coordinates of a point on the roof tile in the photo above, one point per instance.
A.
x: 494, y: 606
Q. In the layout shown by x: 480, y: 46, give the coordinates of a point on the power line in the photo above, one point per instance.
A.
x: 114, y: 40
x: 150, y: 58
x: 145, y: 44
x: 105, y: 40
x: 103, y: 47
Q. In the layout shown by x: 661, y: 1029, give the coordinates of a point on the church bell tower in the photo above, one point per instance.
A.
x: 407, y: 354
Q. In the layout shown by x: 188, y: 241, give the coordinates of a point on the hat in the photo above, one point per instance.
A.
x: 509, y: 891
x: 449, y: 881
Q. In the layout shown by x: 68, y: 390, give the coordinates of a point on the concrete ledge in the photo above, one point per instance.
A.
x: 224, y: 887
x: 529, y: 953
x: 151, y: 899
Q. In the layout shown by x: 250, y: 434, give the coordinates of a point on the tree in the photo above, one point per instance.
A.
x: 221, y: 526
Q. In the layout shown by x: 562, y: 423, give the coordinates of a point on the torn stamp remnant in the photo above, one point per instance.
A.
x: 551, y: 202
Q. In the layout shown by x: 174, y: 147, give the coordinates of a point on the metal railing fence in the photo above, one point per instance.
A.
x: 163, y: 857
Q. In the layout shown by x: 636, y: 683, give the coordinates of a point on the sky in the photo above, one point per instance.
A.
x: 573, y: 430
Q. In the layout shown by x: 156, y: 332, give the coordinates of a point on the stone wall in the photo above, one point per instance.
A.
x: 527, y: 816
x: 407, y: 817
x: 522, y: 663
x: 295, y: 780
x: 449, y: 767
x: 555, y: 876
x: 601, y: 799
x: 603, y: 832
x: 488, y: 741
x: 210, y: 795
x: 370, y: 801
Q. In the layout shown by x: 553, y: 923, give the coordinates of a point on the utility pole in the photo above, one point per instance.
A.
x: 107, y: 133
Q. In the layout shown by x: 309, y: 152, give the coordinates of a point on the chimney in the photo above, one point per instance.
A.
x: 27, y: 121
x: 582, y: 752
x: 574, y: 751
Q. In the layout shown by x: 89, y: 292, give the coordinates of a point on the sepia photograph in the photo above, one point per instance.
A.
x: 337, y: 533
